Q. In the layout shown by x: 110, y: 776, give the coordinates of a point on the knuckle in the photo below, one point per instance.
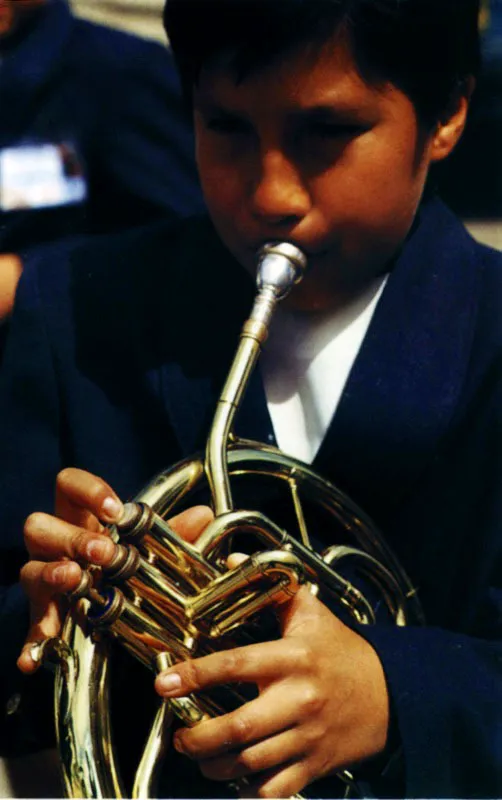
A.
x: 311, y: 700
x: 304, y: 656
x: 249, y: 760
x: 192, y: 674
x: 65, y: 478
x: 241, y: 727
x: 312, y: 734
x: 232, y: 662
x: 78, y: 544
x: 34, y: 525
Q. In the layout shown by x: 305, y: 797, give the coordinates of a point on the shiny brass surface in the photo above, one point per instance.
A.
x: 166, y: 600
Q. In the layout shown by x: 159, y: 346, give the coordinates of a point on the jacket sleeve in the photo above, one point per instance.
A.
x: 446, y: 690
x: 446, y: 685
x: 29, y: 460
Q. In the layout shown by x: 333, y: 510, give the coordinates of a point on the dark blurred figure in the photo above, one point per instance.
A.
x: 471, y: 180
x: 93, y: 136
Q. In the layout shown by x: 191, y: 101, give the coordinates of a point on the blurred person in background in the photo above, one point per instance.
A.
x: 471, y: 180
x: 93, y: 138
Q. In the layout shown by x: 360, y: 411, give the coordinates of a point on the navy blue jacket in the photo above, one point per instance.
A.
x: 113, y: 100
x: 115, y: 366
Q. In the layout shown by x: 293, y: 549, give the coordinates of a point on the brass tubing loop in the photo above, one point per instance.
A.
x: 165, y: 600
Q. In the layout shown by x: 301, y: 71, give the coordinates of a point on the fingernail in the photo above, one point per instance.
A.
x: 111, y: 509
x: 35, y: 651
x: 96, y: 550
x: 177, y: 743
x: 169, y: 683
x: 58, y: 574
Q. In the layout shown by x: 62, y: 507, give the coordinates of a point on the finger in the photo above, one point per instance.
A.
x: 284, y: 782
x: 252, y: 722
x: 266, y: 755
x: 42, y: 581
x: 48, y: 625
x: 299, y: 615
x: 84, y: 499
x: 192, y: 522
x: 236, y: 559
x: 48, y: 538
x: 255, y: 663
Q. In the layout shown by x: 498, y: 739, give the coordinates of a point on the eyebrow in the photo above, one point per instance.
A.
x: 323, y: 112
x: 333, y: 113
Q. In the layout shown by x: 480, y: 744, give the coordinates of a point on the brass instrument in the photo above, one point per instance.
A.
x: 165, y: 600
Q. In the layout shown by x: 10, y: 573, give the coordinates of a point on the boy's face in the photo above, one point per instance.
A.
x: 306, y: 151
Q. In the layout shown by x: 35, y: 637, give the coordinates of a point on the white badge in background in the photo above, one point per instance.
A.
x: 40, y: 176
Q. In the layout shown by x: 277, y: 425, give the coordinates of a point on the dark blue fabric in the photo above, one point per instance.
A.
x: 115, y: 365
x: 470, y: 180
x: 115, y: 99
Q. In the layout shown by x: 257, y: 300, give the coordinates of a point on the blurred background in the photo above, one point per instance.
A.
x: 142, y: 17
x: 471, y: 180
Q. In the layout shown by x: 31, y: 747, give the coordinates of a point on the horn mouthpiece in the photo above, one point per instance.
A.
x: 280, y: 267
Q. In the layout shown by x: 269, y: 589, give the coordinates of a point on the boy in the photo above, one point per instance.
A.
x: 316, y: 123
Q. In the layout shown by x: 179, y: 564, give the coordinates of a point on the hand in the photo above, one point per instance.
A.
x: 322, y: 704
x: 10, y: 272
x: 59, y: 545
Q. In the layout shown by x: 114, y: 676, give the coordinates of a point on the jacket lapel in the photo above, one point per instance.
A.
x: 402, y: 391
x: 213, y: 298
x: 404, y: 387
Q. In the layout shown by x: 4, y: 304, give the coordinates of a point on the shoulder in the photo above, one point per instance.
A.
x: 120, y: 53
x: 456, y: 251
x: 488, y: 334
x: 112, y: 41
x: 146, y: 296
x: 480, y: 267
x: 93, y: 265
x: 491, y: 260
x: 116, y: 285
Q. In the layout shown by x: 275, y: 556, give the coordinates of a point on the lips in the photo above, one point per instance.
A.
x: 308, y: 251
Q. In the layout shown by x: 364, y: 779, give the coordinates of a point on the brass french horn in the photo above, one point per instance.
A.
x: 164, y: 599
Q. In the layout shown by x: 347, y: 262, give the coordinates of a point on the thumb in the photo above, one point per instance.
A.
x: 235, y: 560
x: 300, y: 612
x: 43, y: 626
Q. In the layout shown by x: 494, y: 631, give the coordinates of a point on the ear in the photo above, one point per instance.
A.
x: 451, y: 127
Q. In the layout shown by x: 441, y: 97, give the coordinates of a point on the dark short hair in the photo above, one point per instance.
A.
x: 427, y: 48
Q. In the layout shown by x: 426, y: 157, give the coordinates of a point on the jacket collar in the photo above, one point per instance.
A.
x: 214, y: 296
x: 404, y: 386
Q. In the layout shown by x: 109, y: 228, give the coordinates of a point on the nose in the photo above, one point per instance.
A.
x: 279, y: 194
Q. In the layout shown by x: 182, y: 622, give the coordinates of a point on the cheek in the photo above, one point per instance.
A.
x: 220, y: 193
x: 222, y: 184
x: 377, y: 183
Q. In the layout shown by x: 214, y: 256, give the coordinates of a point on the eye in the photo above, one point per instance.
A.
x: 226, y: 125
x: 329, y: 130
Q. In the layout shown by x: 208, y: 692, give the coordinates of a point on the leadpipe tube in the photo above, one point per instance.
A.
x: 280, y: 266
